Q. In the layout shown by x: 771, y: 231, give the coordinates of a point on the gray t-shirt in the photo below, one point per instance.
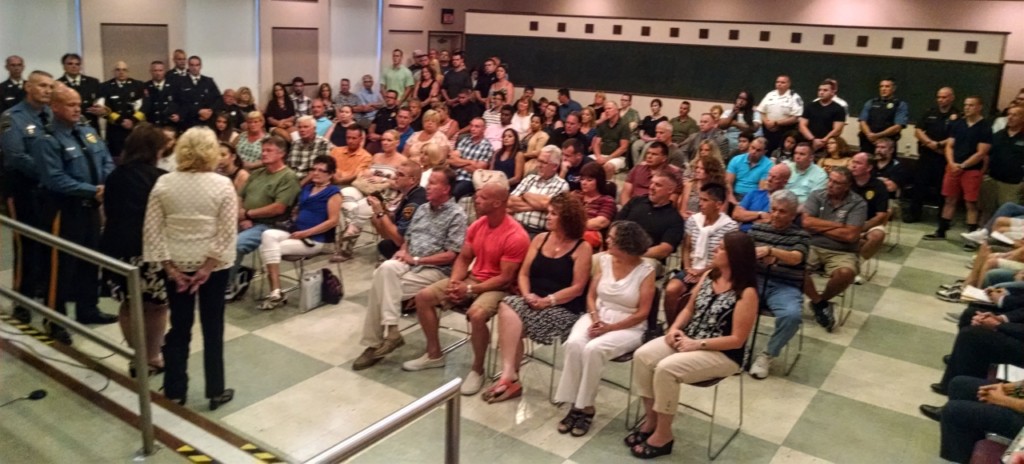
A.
x: 852, y: 211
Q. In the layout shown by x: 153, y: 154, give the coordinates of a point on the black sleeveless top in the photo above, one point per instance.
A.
x: 549, y: 275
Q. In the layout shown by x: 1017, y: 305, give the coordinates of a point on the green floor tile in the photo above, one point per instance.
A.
x: 814, y: 365
x: 952, y: 244
x: 903, y: 341
x: 897, y: 255
x: 867, y: 295
x: 691, y: 435
x: 920, y: 280
x: 256, y: 368
x: 423, y: 442
x: 843, y: 430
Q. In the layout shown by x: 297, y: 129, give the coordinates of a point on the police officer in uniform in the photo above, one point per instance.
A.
x: 158, y: 105
x: 882, y: 116
x: 932, y: 133
x: 197, y: 95
x: 122, y: 100
x: 20, y: 126
x: 87, y: 87
x: 74, y: 163
x: 12, y: 90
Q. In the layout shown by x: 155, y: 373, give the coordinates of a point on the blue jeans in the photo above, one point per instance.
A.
x: 1001, y: 278
x: 784, y: 300
x: 248, y: 241
x: 1005, y: 210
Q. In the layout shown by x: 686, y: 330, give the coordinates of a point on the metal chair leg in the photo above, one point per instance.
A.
x: 712, y: 452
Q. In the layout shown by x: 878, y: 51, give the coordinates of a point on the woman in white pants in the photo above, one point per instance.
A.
x: 620, y: 296
x: 316, y: 216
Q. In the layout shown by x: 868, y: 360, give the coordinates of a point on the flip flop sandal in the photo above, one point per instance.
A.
x: 512, y: 390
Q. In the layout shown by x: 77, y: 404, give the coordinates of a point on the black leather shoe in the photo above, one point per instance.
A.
x: 226, y: 396
x: 938, y: 388
x: 932, y: 412
x: 22, y: 315
x: 97, y: 318
x: 58, y: 333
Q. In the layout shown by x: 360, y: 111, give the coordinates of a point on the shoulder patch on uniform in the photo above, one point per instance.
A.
x: 408, y: 211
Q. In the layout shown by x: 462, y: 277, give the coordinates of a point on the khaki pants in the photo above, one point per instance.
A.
x: 994, y: 194
x: 393, y: 282
x: 658, y: 369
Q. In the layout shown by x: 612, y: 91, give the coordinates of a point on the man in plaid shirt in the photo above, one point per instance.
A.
x: 529, y: 201
x: 471, y: 153
x: 308, y: 146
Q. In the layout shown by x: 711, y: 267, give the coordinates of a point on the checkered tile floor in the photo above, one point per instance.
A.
x: 852, y: 397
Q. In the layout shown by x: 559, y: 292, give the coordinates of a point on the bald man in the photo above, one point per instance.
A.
x: 875, y: 193
x: 73, y: 166
x: 756, y: 205
x: 498, y: 244
x: 121, y: 98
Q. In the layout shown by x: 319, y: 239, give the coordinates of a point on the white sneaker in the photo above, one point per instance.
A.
x: 979, y: 236
x: 423, y: 362
x: 858, y: 280
x: 762, y: 364
x: 472, y: 384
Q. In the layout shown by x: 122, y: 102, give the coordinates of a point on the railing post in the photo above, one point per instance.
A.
x: 138, y: 325
x: 451, y: 430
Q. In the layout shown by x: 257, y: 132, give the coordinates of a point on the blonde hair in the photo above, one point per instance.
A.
x: 197, y: 150
x: 431, y: 115
x: 253, y: 115
x: 435, y: 155
x: 247, y: 91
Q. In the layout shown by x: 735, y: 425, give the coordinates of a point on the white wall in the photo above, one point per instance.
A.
x: 97, y: 12
x: 40, y: 31
x: 353, y: 50
x: 223, y: 33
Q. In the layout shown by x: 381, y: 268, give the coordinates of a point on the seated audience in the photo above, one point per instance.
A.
x: 638, y: 182
x: 305, y: 148
x: 250, y: 144
x: 507, y: 160
x: 566, y: 105
x: 316, y: 216
x: 708, y: 131
x: 224, y: 128
x: 705, y: 342
x: 427, y: 248
x: 805, y: 176
x: 375, y: 181
x: 683, y: 125
x: 403, y: 126
x: 837, y: 154
x: 464, y: 110
x: 552, y: 283
x: 531, y: 143
x: 263, y: 202
x: 571, y: 130
x: 745, y: 172
x: 785, y: 151
x: 230, y: 165
x: 318, y: 111
x: 494, y: 131
x: 429, y: 134
x: 781, y: 247
x: 876, y: 195
x: 756, y: 206
x: 528, y: 203
x: 706, y: 170
x: 573, y: 160
x: 392, y: 224
x: 1008, y: 220
x: 620, y: 297
x: 739, y: 119
x: 663, y: 134
x: 385, y: 119
x: 704, y: 232
x: 471, y: 153
x: 350, y: 158
x: 888, y: 169
x: 445, y: 123
x: 521, y: 118
x: 599, y: 204
x: 280, y: 112
x: 977, y: 406
x: 611, y: 144
x: 646, y: 131
x: 657, y: 215
x: 834, y: 217
x: 498, y: 244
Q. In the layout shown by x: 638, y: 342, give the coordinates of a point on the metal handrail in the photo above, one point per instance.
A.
x: 447, y: 393
x: 131, y: 274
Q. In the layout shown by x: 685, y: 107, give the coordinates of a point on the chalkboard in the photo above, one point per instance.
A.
x: 719, y: 73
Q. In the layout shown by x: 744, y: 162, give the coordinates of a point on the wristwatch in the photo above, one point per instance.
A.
x: 416, y: 260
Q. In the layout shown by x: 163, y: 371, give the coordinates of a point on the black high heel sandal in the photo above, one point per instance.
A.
x: 569, y: 420
x: 636, y: 438
x: 650, y: 452
x: 219, y: 400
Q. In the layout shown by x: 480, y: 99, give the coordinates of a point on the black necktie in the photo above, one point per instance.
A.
x: 44, y: 118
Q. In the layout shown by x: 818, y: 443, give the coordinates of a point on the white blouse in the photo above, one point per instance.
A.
x: 191, y: 216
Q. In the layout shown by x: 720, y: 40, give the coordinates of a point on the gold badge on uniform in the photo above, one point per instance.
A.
x: 952, y: 117
x: 870, y: 194
x: 90, y: 137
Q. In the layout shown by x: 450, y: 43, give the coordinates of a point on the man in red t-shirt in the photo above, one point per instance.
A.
x: 498, y: 244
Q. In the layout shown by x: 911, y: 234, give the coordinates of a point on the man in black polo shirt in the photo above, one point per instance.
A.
x: 456, y: 79
x: 822, y: 118
x: 888, y: 169
x: 874, y: 192
x: 883, y: 116
x: 573, y: 161
x: 834, y: 216
x: 658, y: 217
x: 385, y: 120
x: 1005, y: 165
x: 484, y: 79
x: 571, y: 130
x: 970, y: 139
x: 931, y: 131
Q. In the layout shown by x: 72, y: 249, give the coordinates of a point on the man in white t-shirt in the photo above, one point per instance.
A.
x: 780, y: 112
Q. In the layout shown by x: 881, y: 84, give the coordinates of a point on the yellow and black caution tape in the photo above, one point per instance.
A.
x: 260, y: 454
x: 27, y: 329
x: 194, y: 455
